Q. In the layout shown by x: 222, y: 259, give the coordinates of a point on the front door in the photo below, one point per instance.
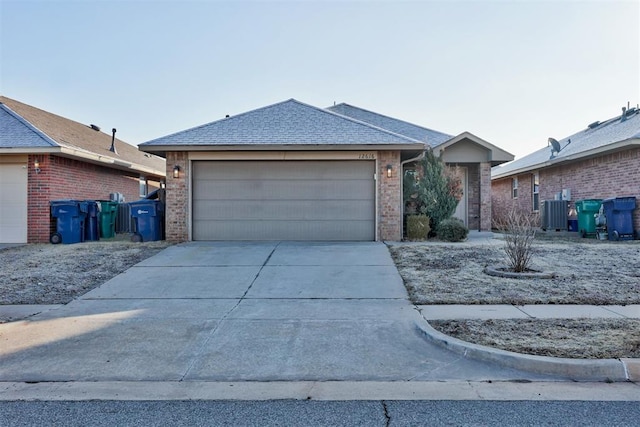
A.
x: 461, y: 209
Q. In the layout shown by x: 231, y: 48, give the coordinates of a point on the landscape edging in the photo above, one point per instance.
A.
x: 497, y: 272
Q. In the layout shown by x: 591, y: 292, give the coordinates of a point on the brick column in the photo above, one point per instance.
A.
x: 389, y: 197
x: 39, y: 226
x: 177, y: 201
x: 485, y: 196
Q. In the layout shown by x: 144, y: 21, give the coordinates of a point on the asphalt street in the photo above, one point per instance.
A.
x: 319, y: 413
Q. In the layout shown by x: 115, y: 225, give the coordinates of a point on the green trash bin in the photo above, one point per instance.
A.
x: 108, y: 213
x: 587, y: 210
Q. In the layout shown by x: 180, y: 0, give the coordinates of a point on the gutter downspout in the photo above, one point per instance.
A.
x: 415, y: 159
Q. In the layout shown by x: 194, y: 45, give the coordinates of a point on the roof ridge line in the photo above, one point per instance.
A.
x: 218, y: 120
x: 351, y: 119
x: 360, y: 122
x: 393, y: 118
x: 322, y: 110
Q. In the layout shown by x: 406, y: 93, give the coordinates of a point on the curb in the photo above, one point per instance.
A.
x: 609, y: 370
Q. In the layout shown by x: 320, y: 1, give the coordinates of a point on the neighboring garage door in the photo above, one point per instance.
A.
x: 13, y: 203
x: 283, y: 200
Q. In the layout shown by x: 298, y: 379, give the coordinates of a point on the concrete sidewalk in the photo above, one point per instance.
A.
x: 444, y: 311
x: 534, y: 311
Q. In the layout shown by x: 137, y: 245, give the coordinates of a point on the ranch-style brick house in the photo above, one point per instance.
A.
x: 292, y: 171
x: 46, y: 157
x: 600, y: 161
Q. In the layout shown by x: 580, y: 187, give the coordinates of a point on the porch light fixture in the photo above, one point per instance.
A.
x: 36, y: 166
x: 176, y: 171
x: 389, y: 171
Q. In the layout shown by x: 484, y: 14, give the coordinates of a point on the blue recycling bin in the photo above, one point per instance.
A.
x: 619, y: 215
x: 148, y: 216
x: 70, y: 216
x: 91, y: 230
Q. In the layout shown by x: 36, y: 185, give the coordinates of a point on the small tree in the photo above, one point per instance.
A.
x: 433, y: 189
x: 519, y: 231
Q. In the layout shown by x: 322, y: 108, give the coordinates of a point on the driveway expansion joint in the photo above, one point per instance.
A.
x: 192, y: 363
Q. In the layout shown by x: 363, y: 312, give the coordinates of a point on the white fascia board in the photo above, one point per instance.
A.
x: 110, y: 161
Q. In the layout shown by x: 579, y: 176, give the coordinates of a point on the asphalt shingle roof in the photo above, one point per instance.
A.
x: 600, y: 136
x: 17, y: 132
x: 429, y: 136
x: 286, y: 123
x: 23, y: 126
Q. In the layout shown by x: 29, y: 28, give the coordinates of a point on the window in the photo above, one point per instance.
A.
x: 143, y: 186
x: 514, y: 188
x: 535, y: 191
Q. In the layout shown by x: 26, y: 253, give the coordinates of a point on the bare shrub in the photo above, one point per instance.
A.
x: 519, y: 229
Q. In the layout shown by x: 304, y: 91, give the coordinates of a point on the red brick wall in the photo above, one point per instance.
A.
x: 63, y: 178
x: 485, y: 196
x: 602, y: 177
x: 502, y: 201
x: 389, y: 197
x: 39, y: 222
x: 176, y: 214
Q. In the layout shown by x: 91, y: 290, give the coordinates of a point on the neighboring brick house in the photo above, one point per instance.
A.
x: 599, y: 162
x: 46, y: 157
x: 292, y: 171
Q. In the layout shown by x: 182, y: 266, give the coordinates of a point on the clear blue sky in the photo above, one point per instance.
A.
x: 511, y: 72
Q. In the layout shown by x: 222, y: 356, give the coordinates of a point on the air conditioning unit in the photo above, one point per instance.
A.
x: 116, y: 197
x: 554, y: 215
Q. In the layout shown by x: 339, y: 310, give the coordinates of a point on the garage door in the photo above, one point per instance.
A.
x: 13, y: 203
x: 283, y: 200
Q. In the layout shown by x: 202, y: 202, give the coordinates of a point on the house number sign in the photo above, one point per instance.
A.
x: 366, y: 156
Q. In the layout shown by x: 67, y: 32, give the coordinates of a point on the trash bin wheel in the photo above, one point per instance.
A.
x: 583, y: 233
x: 55, y: 238
x: 616, y: 235
x: 136, y: 237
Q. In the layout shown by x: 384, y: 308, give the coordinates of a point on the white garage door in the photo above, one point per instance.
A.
x: 283, y: 200
x: 13, y: 203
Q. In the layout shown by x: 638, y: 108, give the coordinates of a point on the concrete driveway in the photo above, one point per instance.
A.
x: 210, y: 311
